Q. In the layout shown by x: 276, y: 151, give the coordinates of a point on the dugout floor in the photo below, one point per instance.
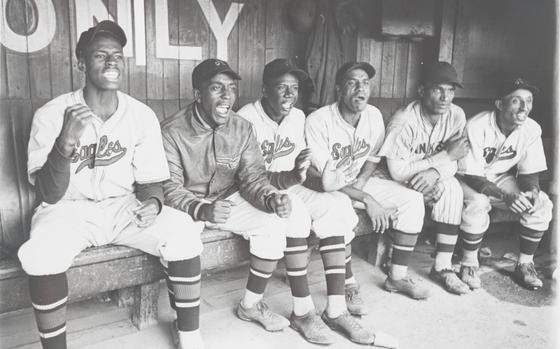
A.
x: 502, y: 315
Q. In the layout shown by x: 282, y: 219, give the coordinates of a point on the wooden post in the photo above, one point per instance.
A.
x: 145, y: 308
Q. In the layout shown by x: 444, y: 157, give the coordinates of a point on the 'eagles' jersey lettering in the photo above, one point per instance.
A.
x: 355, y: 151
x: 280, y: 147
x: 92, y: 155
x: 489, y: 154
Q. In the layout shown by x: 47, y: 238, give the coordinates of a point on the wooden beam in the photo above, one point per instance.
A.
x: 447, y: 32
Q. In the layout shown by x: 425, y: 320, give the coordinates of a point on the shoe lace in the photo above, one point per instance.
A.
x: 352, y: 293
x: 262, y: 307
x: 351, y: 321
x: 531, y: 270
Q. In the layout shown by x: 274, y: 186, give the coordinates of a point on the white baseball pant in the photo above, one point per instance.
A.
x: 59, y: 232
x: 450, y: 205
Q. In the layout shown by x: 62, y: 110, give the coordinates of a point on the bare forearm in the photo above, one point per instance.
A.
x: 150, y: 191
x: 53, y: 178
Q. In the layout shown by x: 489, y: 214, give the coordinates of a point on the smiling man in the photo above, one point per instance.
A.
x: 502, y: 170
x: 345, y: 138
x: 423, y: 143
x: 97, y: 162
x: 279, y: 127
x: 218, y: 177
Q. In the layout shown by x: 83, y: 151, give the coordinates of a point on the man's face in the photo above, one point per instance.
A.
x: 216, y: 97
x: 514, y: 108
x: 437, y: 99
x: 281, y: 94
x: 103, y: 63
x: 353, y: 92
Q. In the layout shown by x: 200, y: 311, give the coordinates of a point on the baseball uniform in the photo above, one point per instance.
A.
x: 331, y: 213
x: 413, y: 144
x: 110, y: 158
x: 493, y: 155
x: 330, y: 136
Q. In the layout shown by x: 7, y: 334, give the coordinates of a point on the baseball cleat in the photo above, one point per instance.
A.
x: 312, y: 328
x: 449, y: 280
x: 354, y: 301
x: 526, y: 274
x: 470, y: 276
x: 406, y: 286
x: 349, y: 327
x: 261, y: 314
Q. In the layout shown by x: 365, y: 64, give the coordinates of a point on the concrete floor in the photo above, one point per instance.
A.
x: 499, y: 316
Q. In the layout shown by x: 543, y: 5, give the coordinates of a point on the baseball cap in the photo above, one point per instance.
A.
x: 104, y: 27
x: 210, y: 67
x: 349, y: 66
x: 511, y: 85
x: 281, y: 66
x: 441, y: 73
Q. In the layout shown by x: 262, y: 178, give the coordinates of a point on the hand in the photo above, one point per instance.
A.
x: 334, y: 178
x: 533, y: 196
x: 457, y: 147
x: 302, y: 163
x: 145, y: 213
x: 433, y: 194
x: 76, y: 118
x: 424, y: 180
x: 216, y: 212
x: 518, y: 202
x: 281, y: 205
x: 381, y: 217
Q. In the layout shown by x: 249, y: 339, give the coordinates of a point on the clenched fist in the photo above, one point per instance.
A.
x: 457, y: 147
x: 302, y: 163
x: 216, y: 212
x: 281, y: 205
x: 76, y: 118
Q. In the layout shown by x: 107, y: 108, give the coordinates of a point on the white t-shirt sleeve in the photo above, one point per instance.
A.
x: 149, y: 162
x: 533, y: 160
x: 316, y: 134
x: 45, y: 128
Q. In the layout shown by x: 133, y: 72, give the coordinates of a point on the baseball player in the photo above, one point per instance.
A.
x: 423, y: 142
x: 218, y: 177
x: 345, y: 138
x: 279, y: 128
x: 502, y: 170
x: 96, y: 159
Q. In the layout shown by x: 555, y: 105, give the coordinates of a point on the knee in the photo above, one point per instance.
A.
x: 299, y: 222
x: 271, y: 246
x: 477, y: 203
x: 542, y: 214
x: 41, y: 258
x: 183, y: 238
x: 411, y: 214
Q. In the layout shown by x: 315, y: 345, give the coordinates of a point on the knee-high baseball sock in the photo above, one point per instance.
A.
x: 259, y: 272
x: 403, y: 245
x: 333, y: 254
x: 349, y: 278
x: 184, y: 284
x: 446, y: 240
x: 471, y: 245
x: 296, y: 259
x: 49, y: 294
x: 529, y: 240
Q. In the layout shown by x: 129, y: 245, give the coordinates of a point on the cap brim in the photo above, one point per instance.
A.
x: 232, y: 74
x: 300, y: 74
x: 368, y: 68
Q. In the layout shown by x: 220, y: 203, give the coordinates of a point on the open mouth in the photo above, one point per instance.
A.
x: 112, y: 74
x: 359, y: 98
x: 287, y: 105
x: 223, y: 109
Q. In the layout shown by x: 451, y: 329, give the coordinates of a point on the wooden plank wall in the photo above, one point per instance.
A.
x: 28, y: 80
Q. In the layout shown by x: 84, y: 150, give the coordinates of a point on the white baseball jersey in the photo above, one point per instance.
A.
x: 280, y: 143
x: 110, y: 156
x: 412, y: 137
x: 330, y: 136
x: 492, y: 153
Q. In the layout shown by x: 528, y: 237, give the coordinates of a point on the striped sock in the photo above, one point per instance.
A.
x: 529, y: 240
x: 259, y: 272
x: 471, y: 245
x: 403, y: 245
x: 446, y: 239
x: 49, y: 294
x: 348, y: 265
x: 296, y: 266
x: 184, y: 285
x: 333, y: 253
